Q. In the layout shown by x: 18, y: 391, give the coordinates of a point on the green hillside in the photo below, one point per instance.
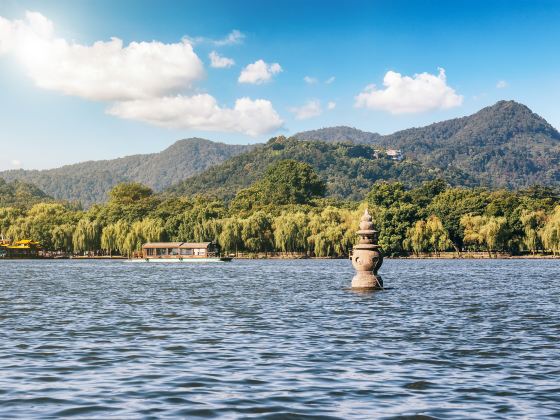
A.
x: 89, y: 182
x: 20, y: 194
x: 339, y: 134
x: 348, y: 170
x: 504, y: 145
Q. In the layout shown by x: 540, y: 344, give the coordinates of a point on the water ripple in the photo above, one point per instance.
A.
x: 279, y: 339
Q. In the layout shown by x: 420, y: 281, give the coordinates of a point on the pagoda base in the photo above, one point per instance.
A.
x: 367, y: 280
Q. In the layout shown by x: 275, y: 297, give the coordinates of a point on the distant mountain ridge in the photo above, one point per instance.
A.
x: 503, y: 145
x: 339, y: 134
x: 349, y: 170
x: 88, y: 182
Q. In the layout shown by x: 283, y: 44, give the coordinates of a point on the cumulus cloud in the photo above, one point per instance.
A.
x: 330, y: 80
x: 405, y: 94
x: 220, y: 62
x: 331, y: 105
x: 16, y: 163
x: 146, y: 81
x: 106, y: 70
x: 502, y: 84
x: 310, y: 80
x: 202, y: 112
x: 259, y: 72
x: 309, y: 110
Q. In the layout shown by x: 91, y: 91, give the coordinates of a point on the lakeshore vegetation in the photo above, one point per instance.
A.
x: 287, y: 211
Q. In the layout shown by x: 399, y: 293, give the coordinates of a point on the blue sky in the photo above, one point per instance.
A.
x: 62, y: 100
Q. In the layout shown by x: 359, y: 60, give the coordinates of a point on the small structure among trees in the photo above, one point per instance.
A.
x: 25, y: 248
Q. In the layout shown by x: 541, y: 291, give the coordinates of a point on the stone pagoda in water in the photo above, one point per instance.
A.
x: 367, y: 257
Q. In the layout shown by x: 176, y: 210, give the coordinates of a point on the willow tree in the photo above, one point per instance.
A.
x: 207, y: 231
x: 550, y: 233
x: 9, y: 216
x: 331, y: 232
x: 113, y: 237
x: 230, y: 236
x: 495, y: 233
x: 533, y: 222
x: 256, y: 232
x: 438, y: 237
x: 39, y: 222
x: 291, y: 231
x: 142, y: 231
x: 62, y: 237
x: 488, y: 231
x: 427, y: 235
x: 86, y: 236
x: 417, y: 239
x: 472, y: 226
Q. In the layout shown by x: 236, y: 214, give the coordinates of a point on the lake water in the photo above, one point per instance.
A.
x: 279, y: 339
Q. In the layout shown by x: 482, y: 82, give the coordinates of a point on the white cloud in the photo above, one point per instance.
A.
x: 106, y: 70
x: 308, y: 110
x: 16, y: 163
x: 202, y: 112
x: 330, y: 80
x: 144, y: 80
x: 220, y: 62
x: 234, y: 37
x: 405, y: 94
x: 331, y: 105
x: 502, y: 84
x: 259, y: 72
x: 310, y: 80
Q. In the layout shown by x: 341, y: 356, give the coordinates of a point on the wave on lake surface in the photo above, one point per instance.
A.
x: 279, y: 339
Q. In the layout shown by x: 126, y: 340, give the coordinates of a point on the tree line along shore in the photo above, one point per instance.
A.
x: 286, y: 214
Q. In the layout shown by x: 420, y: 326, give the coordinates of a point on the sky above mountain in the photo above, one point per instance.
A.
x: 99, y: 79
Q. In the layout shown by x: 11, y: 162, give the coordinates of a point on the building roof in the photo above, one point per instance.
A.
x: 184, y: 245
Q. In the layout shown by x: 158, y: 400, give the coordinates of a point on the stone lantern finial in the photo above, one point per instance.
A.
x: 366, y: 256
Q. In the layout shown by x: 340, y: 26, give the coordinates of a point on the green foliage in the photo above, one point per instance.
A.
x: 39, y: 223
x: 550, y: 232
x: 257, y: 234
x: 86, y: 236
x: 20, y: 194
x: 427, y: 235
x: 452, y: 204
x: 291, y: 232
x: 486, y: 231
x: 89, y: 182
x: 285, y: 182
x: 504, y: 145
x: 284, y: 213
x: 129, y: 193
x: 339, y: 134
x: 345, y: 175
x: 533, y: 223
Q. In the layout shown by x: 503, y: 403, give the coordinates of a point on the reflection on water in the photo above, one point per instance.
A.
x: 277, y: 338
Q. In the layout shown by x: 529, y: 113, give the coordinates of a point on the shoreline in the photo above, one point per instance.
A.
x: 441, y: 256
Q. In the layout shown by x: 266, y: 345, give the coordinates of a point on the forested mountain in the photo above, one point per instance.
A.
x: 20, y: 194
x: 349, y: 170
x: 504, y: 145
x: 339, y: 134
x: 88, y: 182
